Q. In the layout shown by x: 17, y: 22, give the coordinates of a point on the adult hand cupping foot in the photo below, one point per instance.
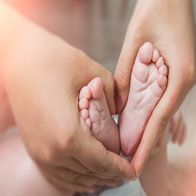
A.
x: 42, y: 76
x: 169, y: 26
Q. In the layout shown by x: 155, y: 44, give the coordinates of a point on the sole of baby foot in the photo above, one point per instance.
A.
x: 95, y: 113
x: 147, y: 85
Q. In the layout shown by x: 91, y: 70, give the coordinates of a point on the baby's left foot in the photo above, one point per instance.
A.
x: 95, y: 112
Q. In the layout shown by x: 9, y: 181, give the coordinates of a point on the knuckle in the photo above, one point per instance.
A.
x: 63, y: 139
x: 109, y: 83
x: 162, y: 124
x: 44, y: 155
x: 56, y: 149
x: 47, y: 155
x: 110, y: 80
x: 66, y: 143
x: 77, y: 178
x: 120, y: 79
x: 102, y: 168
x: 109, y: 91
x: 138, y: 171
x: 155, y: 151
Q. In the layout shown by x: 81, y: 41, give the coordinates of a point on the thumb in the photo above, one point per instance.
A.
x: 107, y: 164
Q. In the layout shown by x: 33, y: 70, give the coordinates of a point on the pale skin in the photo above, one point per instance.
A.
x: 94, y: 113
x: 68, y: 150
x: 183, y: 84
x: 168, y: 22
x: 148, y: 83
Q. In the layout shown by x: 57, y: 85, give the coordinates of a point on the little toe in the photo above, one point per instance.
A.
x: 85, y: 93
x: 84, y: 114
x: 156, y: 56
x: 83, y: 103
x: 163, y: 70
x: 145, y: 53
x: 162, y: 81
x: 96, y: 87
x: 160, y: 62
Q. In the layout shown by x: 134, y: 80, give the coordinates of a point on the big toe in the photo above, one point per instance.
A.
x: 145, y: 53
x: 96, y: 87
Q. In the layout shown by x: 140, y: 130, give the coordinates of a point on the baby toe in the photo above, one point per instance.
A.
x: 160, y: 62
x: 84, y: 114
x: 96, y: 87
x: 162, y: 81
x: 85, y: 93
x: 156, y: 56
x: 145, y: 53
x: 163, y: 70
x: 83, y: 103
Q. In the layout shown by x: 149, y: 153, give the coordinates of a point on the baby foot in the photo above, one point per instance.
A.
x: 177, y: 128
x: 148, y: 82
x: 95, y: 112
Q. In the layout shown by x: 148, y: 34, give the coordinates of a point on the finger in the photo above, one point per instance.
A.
x: 183, y: 136
x: 176, y: 133
x: 124, y: 67
x: 72, y: 177
x: 176, y: 90
x: 173, y: 129
x: 74, y: 165
x: 63, y: 160
x: 59, y: 183
x: 163, y: 137
x: 177, y: 123
x: 93, y: 155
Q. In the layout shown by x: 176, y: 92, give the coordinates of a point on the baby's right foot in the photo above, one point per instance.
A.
x: 148, y: 82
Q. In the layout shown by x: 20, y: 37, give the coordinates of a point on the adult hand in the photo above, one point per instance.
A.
x: 42, y: 76
x: 169, y: 25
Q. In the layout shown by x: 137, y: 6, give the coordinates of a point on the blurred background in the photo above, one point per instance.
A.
x: 98, y: 27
